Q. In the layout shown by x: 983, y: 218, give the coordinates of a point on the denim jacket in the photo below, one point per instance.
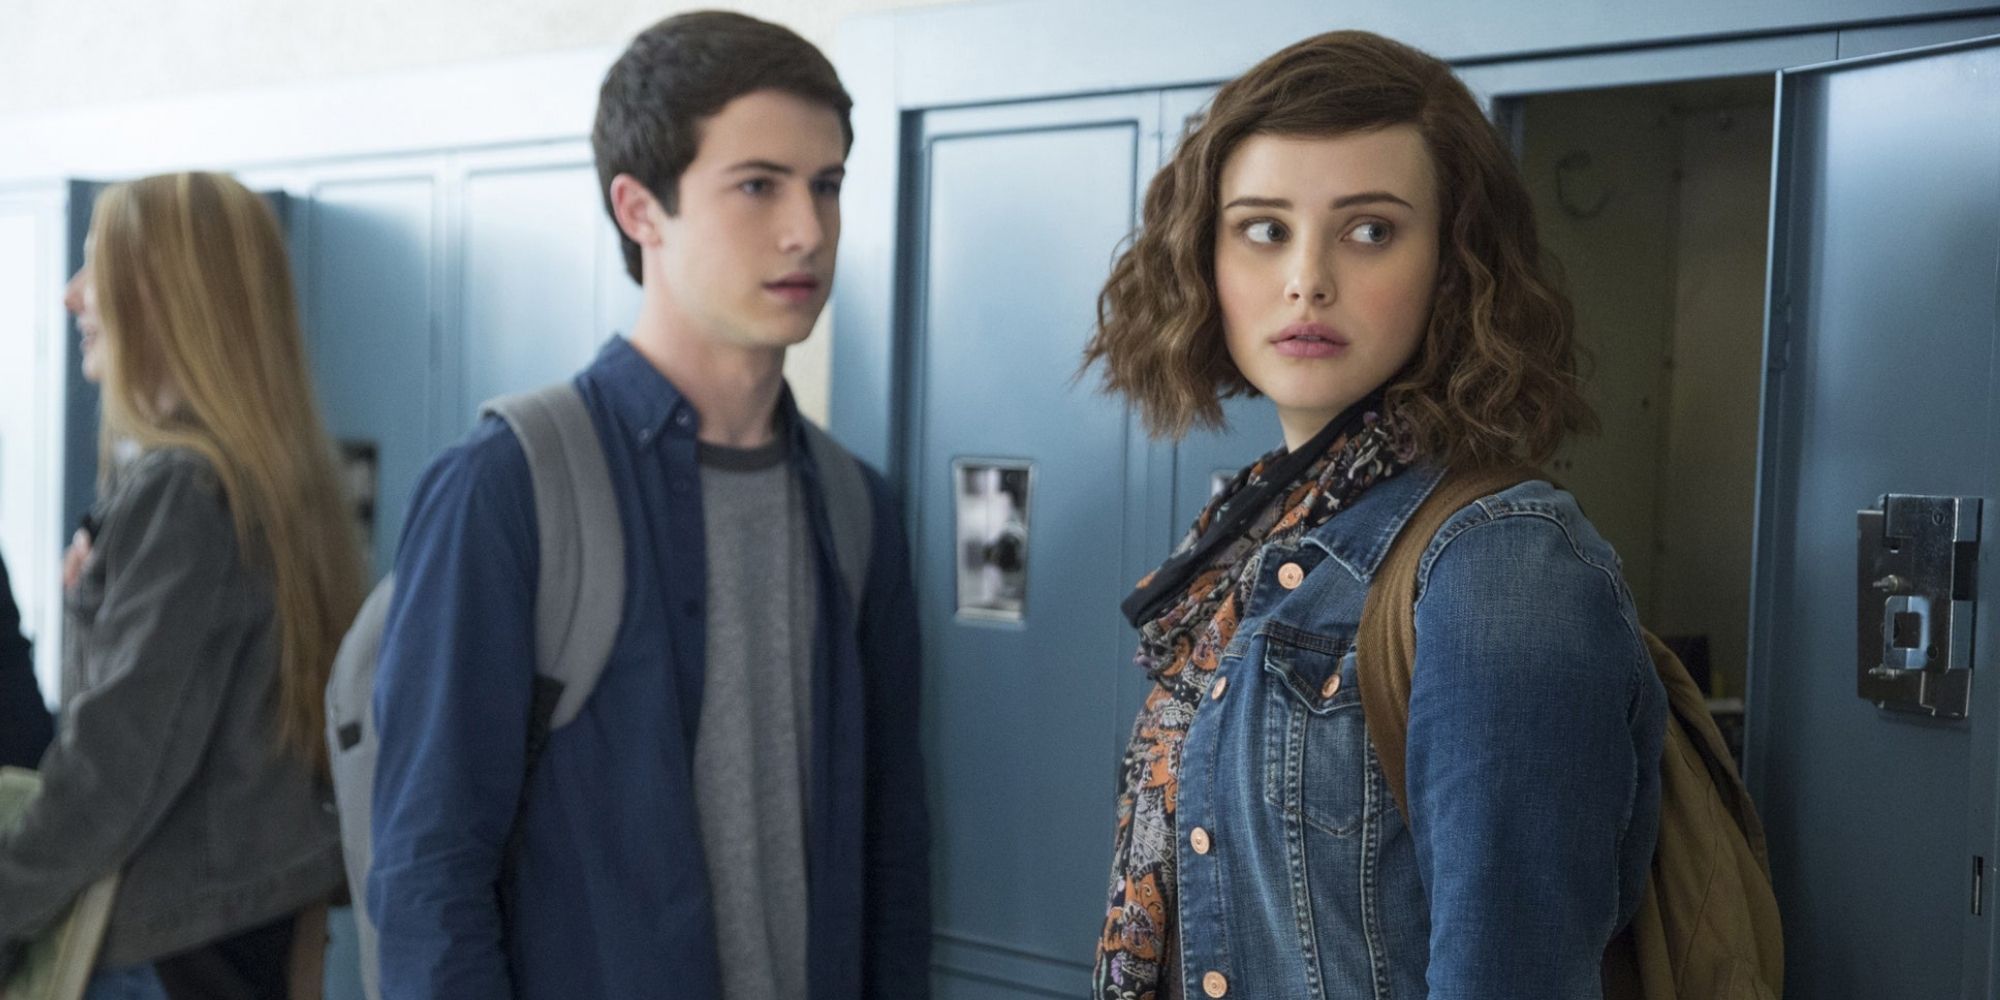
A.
x: 1536, y: 724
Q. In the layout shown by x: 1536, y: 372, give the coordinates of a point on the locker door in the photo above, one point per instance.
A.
x: 1043, y: 485
x: 1252, y: 427
x: 369, y: 262
x: 1880, y: 359
x: 537, y: 282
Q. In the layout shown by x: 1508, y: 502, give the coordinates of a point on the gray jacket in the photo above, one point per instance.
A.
x: 166, y: 762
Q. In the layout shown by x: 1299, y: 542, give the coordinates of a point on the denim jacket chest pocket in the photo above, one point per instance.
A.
x: 1316, y: 758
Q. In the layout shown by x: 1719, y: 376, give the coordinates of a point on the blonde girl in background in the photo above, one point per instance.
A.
x: 204, y: 614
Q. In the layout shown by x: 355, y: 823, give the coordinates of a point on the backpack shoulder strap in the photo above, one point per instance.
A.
x: 580, y: 592
x: 849, y: 508
x: 1386, y: 642
x: 1687, y: 710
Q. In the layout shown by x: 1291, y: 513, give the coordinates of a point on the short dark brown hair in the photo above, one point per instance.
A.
x: 683, y: 70
x: 1495, y: 378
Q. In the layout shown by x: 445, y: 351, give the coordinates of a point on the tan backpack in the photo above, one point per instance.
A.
x: 1707, y: 928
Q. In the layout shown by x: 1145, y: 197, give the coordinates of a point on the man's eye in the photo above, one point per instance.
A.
x: 826, y: 187
x: 756, y: 185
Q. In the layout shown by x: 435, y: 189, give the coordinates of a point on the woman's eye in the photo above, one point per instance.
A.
x: 1375, y: 233
x: 1264, y: 231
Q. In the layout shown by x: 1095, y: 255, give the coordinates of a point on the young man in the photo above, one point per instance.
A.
x: 738, y: 812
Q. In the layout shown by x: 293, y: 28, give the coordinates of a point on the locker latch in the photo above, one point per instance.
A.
x: 1919, y: 562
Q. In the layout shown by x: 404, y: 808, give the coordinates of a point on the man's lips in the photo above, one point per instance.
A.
x: 796, y: 287
x: 1309, y: 340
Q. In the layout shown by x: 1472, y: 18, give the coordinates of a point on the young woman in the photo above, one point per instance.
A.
x: 206, y: 611
x: 1344, y: 234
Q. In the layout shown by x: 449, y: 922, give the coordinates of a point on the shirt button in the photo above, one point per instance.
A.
x: 1290, y: 575
x: 1215, y: 985
x: 683, y: 418
x: 1331, y: 687
x: 1199, y: 840
x: 1221, y: 685
x: 646, y: 436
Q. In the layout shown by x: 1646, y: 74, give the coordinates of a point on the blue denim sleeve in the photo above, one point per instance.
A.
x: 897, y: 938
x: 452, y: 693
x: 1522, y: 766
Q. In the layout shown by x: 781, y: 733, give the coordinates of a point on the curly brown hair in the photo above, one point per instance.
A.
x: 1495, y: 379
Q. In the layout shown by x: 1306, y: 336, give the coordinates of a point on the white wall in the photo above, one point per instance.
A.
x: 77, y: 76
x: 68, y: 53
x: 31, y: 372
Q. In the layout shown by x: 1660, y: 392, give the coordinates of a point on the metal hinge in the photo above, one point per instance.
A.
x: 1781, y: 333
x: 1978, y: 885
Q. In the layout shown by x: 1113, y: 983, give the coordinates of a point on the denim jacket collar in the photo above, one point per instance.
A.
x: 1359, y: 537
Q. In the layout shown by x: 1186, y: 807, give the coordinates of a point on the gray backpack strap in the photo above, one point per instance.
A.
x: 580, y: 594
x: 351, y: 750
x: 849, y: 508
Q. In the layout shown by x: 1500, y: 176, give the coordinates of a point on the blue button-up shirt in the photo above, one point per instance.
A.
x: 608, y: 891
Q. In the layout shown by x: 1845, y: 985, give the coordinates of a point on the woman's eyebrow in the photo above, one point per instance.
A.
x: 1252, y: 201
x: 1346, y: 201
x: 1371, y: 197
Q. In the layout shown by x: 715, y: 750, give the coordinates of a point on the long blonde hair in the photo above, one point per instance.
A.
x: 203, y: 351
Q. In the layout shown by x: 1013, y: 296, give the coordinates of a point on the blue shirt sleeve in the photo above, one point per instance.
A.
x: 453, y: 689
x: 897, y: 937
x: 1523, y: 761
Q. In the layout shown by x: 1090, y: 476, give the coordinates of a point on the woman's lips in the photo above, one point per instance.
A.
x: 1309, y: 340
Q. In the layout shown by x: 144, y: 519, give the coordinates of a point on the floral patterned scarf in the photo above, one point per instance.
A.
x: 1180, y: 648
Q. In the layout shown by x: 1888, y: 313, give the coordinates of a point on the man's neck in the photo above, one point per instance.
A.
x: 734, y: 389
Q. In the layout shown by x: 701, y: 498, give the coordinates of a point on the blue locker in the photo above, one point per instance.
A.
x: 368, y: 266
x: 1022, y: 209
x: 1880, y: 359
x: 1885, y: 239
x: 1019, y: 211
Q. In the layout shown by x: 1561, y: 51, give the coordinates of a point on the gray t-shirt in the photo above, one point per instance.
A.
x: 751, y: 763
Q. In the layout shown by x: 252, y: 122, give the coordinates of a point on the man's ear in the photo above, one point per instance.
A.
x: 637, y: 212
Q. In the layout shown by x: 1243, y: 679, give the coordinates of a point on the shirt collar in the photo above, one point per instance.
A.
x: 648, y: 406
